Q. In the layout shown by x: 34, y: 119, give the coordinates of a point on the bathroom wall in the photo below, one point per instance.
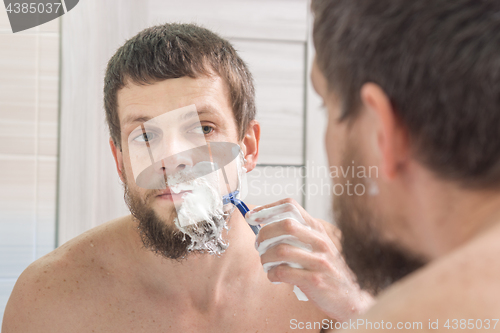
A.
x: 272, y: 36
x: 53, y: 75
x: 29, y: 79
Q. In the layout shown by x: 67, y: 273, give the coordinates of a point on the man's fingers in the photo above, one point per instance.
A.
x: 296, y: 276
x: 285, y: 273
x: 268, y: 236
x: 310, y: 221
x: 265, y: 245
x: 283, y: 227
x: 277, y: 203
x: 286, y: 208
x: 273, y: 214
x: 310, y: 261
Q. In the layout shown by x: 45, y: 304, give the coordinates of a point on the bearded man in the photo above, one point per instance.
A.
x: 412, y: 89
x: 168, y: 90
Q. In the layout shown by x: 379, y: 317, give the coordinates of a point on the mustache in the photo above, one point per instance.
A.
x: 206, y: 159
x: 153, y: 193
x: 154, y: 180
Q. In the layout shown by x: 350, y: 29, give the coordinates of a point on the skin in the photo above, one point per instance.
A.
x: 456, y: 229
x: 324, y: 277
x: 105, y: 281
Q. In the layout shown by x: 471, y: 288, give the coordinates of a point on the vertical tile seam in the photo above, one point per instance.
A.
x: 58, y: 155
x: 37, y: 102
x: 305, y: 106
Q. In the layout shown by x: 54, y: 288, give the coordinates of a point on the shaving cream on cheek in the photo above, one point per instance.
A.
x: 201, y: 214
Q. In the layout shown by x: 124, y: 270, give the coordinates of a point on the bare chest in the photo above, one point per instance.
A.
x: 272, y: 314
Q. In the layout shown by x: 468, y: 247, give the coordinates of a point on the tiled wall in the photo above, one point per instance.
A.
x: 29, y: 79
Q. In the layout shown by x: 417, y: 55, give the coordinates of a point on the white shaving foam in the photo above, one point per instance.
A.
x: 202, y: 203
x: 275, y: 214
x: 201, y: 214
x: 272, y: 215
x: 282, y: 239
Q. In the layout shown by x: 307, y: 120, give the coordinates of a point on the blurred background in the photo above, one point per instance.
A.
x: 57, y: 174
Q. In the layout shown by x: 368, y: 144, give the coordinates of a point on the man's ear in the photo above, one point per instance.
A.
x: 117, y: 154
x: 392, y: 140
x: 250, y: 145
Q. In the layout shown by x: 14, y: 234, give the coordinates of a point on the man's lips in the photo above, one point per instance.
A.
x: 169, y: 195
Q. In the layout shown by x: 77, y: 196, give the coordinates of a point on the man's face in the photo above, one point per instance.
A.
x: 370, y: 220
x: 155, y: 209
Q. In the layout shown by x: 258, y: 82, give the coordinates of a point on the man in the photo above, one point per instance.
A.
x: 412, y: 87
x: 137, y: 273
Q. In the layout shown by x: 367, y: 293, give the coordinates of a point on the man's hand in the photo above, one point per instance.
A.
x: 298, y: 249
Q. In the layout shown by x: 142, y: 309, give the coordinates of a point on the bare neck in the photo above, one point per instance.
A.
x: 448, y: 216
x: 202, y: 278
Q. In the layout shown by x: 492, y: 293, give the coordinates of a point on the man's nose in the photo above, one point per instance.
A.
x: 174, y: 156
x: 174, y: 163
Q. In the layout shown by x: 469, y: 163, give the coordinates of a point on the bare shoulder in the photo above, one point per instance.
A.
x: 53, y: 290
x: 462, y: 285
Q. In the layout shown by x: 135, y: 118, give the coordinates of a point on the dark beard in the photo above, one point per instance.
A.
x: 164, y: 238
x: 376, y: 263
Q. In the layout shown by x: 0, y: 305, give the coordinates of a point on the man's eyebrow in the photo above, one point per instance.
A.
x: 210, y: 109
x: 190, y: 115
x: 197, y: 113
x: 134, y: 119
x: 142, y: 119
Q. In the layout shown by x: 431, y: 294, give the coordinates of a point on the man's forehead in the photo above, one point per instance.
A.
x: 136, y: 118
x: 140, y: 103
x: 172, y: 90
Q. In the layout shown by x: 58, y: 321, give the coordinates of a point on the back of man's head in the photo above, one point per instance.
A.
x: 439, y: 63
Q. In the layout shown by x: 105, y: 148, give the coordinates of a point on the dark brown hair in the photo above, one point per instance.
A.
x: 439, y: 63
x: 177, y: 50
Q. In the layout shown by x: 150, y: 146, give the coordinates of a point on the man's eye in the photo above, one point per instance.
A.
x: 207, y: 129
x: 145, y: 137
x: 202, y: 130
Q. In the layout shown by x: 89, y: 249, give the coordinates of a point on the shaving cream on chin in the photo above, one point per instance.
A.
x: 202, y: 203
x: 200, y: 213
